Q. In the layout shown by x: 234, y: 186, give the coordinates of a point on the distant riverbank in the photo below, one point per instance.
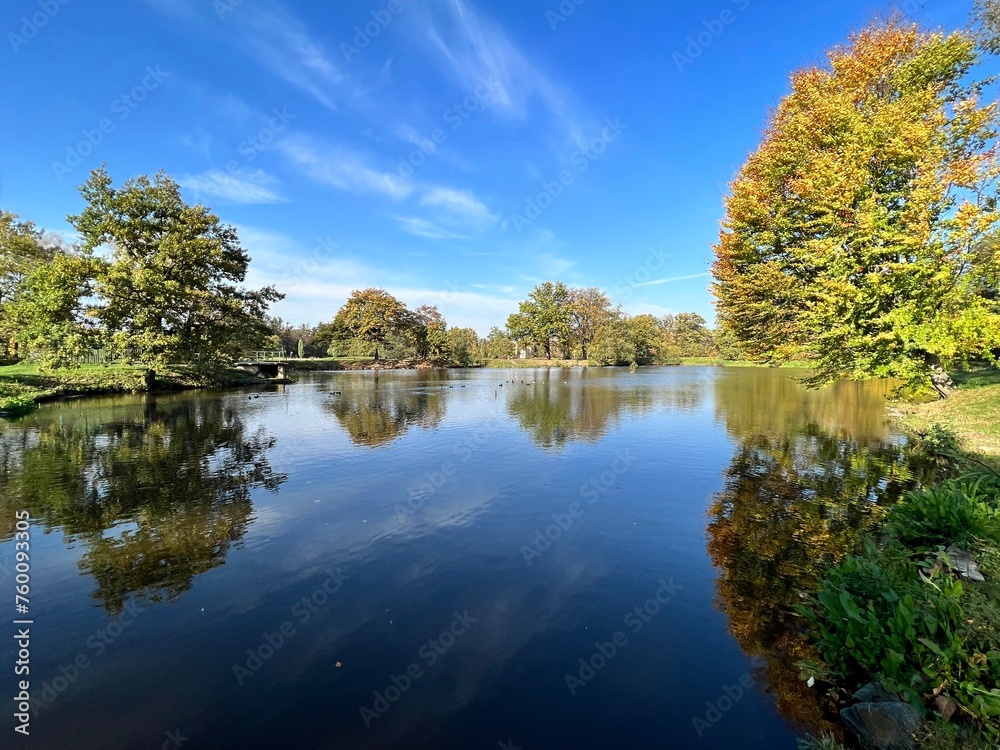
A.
x: 22, y: 386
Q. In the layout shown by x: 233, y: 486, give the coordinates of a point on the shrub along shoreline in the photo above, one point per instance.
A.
x: 916, y: 609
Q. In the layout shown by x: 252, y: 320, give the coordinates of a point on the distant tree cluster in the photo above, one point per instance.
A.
x: 373, y: 323
x: 557, y: 321
x: 153, y: 280
x: 554, y: 322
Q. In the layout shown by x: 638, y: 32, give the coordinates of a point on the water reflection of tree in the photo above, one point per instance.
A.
x: 157, y: 496
x: 375, y: 413
x: 553, y: 412
x: 812, y: 472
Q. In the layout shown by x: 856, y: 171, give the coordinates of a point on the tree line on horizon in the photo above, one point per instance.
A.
x: 158, y: 282
x: 554, y: 322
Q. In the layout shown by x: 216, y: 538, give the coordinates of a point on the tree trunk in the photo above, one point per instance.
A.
x: 376, y: 354
x: 150, y: 380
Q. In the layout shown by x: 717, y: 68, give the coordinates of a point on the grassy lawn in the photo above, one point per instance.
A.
x: 972, y: 413
x: 23, y: 385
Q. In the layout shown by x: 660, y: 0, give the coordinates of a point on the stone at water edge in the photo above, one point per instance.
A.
x: 963, y: 564
x: 883, y: 726
x: 874, y: 693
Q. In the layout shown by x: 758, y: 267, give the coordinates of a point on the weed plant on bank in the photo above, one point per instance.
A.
x: 898, y: 613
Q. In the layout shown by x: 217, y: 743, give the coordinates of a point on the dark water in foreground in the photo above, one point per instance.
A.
x: 422, y: 560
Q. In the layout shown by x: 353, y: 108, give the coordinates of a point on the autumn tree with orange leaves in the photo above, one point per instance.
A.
x: 861, y: 233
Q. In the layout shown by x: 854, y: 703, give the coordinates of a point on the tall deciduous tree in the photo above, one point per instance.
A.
x: 432, y: 334
x: 171, y: 286
x: 372, y: 316
x: 590, y: 309
x: 544, y: 318
x: 854, y: 231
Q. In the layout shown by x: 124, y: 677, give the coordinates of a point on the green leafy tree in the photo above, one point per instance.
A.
x: 464, y: 343
x: 433, y: 341
x: 544, y: 319
x: 855, y: 231
x: 372, y: 317
x: 689, y: 335
x: 22, y: 248
x: 499, y: 345
x: 302, y: 349
x: 47, y: 315
x: 171, y: 286
x: 590, y: 309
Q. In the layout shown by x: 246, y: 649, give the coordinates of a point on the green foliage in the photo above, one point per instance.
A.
x: 863, y: 230
x: 170, y: 288
x: 46, y: 315
x: 372, y: 317
x: 688, y: 335
x: 955, y: 512
x: 544, y: 319
x: 22, y: 249
x: 499, y: 345
x: 464, y: 346
x: 897, y: 613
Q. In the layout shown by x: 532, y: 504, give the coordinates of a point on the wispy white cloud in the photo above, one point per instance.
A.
x: 459, y: 202
x: 672, y: 279
x: 250, y: 187
x: 474, y: 49
x: 420, y: 227
x: 282, y: 43
x: 277, y: 39
x: 341, y: 168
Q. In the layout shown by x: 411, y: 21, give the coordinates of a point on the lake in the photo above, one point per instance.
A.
x: 444, y: 559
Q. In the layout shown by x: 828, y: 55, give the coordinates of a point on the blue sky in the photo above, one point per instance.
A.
x: 455, y: 152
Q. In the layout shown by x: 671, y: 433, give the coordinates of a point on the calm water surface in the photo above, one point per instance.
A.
x: 587, y: 559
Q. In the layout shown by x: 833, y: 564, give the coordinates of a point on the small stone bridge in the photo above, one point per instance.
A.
x: 265, y: 365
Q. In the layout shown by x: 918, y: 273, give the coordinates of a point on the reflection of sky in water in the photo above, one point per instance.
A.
x: 345, y: 467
